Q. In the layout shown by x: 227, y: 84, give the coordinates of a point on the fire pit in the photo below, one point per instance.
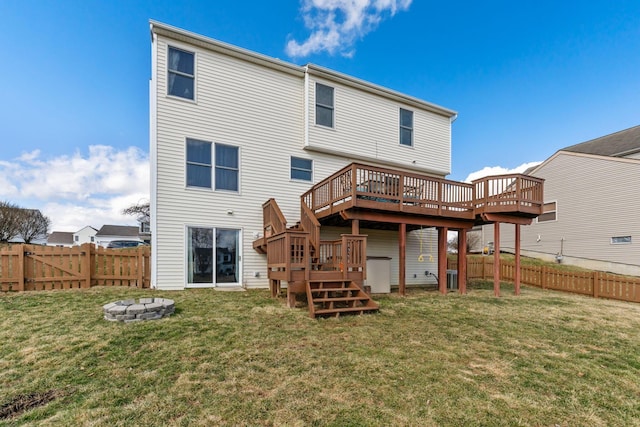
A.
x: 145, y: 309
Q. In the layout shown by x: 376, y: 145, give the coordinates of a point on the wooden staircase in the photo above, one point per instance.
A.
x: 331, y: 298
x: 330, y: 274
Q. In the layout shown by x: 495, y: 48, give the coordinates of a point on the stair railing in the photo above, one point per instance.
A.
x: 273, y: 220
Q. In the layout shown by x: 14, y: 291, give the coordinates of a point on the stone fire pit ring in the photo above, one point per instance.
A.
x: 129, y: 310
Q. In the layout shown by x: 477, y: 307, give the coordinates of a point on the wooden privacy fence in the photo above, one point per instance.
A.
x: 35, y: 268
x: 593, y: 283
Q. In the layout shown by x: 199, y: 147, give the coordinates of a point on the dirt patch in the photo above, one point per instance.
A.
x: 26, y: 402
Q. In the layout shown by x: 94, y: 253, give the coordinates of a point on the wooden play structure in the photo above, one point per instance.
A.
x: 331, y: 274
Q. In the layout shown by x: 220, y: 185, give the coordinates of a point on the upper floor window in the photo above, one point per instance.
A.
x: 227, y: 167
x: 549, y: 211
x: 324, y: 105
x: 198, y: 163
x: 76, y: 238
x: 181, y: 73
x: 406, y: 127
x: 301, y: 169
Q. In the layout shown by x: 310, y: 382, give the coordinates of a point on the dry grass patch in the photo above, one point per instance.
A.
x: 543, y: 358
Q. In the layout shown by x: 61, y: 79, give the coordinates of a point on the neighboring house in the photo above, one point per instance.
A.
x: 231, y: 129
x: 85, y: 235
x: 60, y: 238
x: 109, y: 233
x: 592, y: 210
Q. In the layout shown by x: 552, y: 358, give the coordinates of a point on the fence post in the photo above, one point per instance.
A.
x: 543, y: 277
x: 86, y: 264
x: 140, y: 266
x: 596, y: 283
x: 20, y: 267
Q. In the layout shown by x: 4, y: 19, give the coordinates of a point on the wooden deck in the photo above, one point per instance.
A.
x: 331, y: 274
x: 362, y: 187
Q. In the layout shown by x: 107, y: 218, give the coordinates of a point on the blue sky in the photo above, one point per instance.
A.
x: 526, y: 77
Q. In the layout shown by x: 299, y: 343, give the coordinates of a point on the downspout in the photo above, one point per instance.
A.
x: 153, y: 157
x: 306, y: 105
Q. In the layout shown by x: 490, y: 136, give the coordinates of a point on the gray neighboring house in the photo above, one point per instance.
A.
x: 592, y: 207
x: 109, y: 233
x: 60, y: 238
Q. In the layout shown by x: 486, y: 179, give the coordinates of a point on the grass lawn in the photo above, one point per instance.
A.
x: 242, y: 358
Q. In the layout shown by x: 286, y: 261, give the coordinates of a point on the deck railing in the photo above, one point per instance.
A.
x: 508, y: 192
x: 273, y: 220
x: 370, y: 186
x: 290, y: 251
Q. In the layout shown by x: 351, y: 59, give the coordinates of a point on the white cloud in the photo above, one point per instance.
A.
x: 337, y: 24
x: 499, y: 170
x: 78, y: 190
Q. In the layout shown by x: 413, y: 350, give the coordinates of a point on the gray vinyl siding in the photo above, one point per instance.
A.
x: 597, y: 198
x: 367, y: 126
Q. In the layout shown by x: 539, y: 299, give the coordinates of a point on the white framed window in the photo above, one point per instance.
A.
x: 301, y: 169
x: 406, y: 127
x: 181, y: 73
x: 223, y: 173
x: 621, y: 240
x: 549, y: 212
x: 324, y: 105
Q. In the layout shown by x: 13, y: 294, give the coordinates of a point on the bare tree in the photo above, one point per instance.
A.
x: 9, y: 221
x: 472, y: 241
x: 33, y: 225
x: 140, y: 210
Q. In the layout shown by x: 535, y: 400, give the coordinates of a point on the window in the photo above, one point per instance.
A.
x: 548, y: 212
x: 406, y: 127
x: 324, y: 105
x: 198, y: 163
x: 621, y: 240
x: 181, y: 73
x: 76, y: 238
x: 93, y: 239
x: 301, y: 169
x: 226, y: 167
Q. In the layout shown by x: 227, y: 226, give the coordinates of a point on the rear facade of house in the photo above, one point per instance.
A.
x: 231, y: 129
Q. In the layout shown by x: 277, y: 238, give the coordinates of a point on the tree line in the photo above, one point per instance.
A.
x: 17, y: 222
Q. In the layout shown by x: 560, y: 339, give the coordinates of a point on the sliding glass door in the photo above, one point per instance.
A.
x: 213, y: 257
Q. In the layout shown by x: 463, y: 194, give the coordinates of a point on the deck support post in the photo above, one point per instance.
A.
x: 442, y: 259
x: 462, y: 261
x: 355, y: 226
x: 496, y: 259
x: 517, y: 261
x: 402, y: 259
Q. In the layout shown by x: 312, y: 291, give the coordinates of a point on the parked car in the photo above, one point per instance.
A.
x: 119, y: 244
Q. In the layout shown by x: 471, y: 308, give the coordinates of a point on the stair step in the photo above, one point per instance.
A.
x: 340, y: 299
x: 320, y: 290
x: 323, y: 311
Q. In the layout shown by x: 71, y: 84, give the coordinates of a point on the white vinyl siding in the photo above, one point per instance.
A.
x: 366, y: 128
x: 267, y: 103
x: 260, y: 111
x: 598, y: 201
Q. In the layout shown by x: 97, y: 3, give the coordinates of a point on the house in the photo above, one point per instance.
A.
x: 85, y: 235
x: 60, y: 238
x: 591, y: 206
x: 246, y: 149
x: 109, y: 233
